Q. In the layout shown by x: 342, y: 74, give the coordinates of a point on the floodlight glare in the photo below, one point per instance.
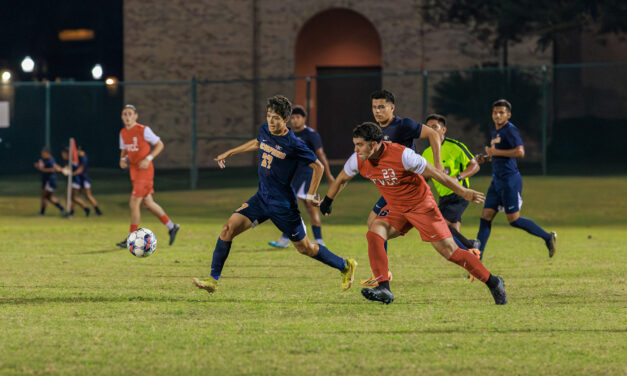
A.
x: 96, y: 72
x: 28, y: 64
x: 6, y: 76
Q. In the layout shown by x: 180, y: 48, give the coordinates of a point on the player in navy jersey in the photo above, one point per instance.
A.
x: 505, y: 190
x: 401, y: 131
x: 300, y: 182
x: 280, y: 154
x: 47, y: 166
x: 84, y: 182
x: 76, y: 184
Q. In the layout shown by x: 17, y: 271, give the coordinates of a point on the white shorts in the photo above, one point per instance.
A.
x: 48, y: 188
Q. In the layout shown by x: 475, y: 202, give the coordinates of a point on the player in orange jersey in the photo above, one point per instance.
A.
x: 137, y: 155
x: 399, y: 174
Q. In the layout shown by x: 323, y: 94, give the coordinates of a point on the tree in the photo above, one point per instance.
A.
x: 503, y: 22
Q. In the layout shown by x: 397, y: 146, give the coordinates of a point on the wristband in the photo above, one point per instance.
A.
x: 459, y: 178
x: 310, y: 196
x: 150, y: 157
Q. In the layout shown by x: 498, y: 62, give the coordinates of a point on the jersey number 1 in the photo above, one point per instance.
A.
x: 266, y: 160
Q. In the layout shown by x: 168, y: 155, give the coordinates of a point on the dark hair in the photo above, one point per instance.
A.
x: 502, y: 103
x: 382, y: 94
x: 299, y: 110
x: 437, y: 117
x: 368, y: 131
x: 280, y: 105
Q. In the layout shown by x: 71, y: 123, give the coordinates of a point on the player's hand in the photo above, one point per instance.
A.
x: 221, y: 159
x: 314, y: 200
x: 39, y: 165
x: 482, y: 158
x: 325, y: 206
x: 65, y: 171
x: 489, y: 150
x: 144, y: 164
x: 123, y: 163
x: 473, y: 196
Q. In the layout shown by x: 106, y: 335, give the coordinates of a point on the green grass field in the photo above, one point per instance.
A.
x: 72, y: 303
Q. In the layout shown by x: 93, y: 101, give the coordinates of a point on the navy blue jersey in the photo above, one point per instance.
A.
x: 505, y: 138
x: 312, y: 139
x: 402, y: 131
x: 82, y: 161
x: 279, y: 157
x: 48, y: 176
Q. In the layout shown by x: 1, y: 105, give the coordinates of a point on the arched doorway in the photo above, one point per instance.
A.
x: 338, y: 42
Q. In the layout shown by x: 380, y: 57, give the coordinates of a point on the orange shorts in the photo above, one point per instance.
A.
x: 142, y: 188
x: 430, y: 224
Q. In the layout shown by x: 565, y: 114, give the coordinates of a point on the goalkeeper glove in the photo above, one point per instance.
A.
x: 325, y: 206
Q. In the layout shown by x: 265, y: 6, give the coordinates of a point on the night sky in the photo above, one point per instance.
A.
x: 32, y: 28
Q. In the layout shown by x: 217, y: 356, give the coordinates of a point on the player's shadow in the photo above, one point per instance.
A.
x: 100, y: 251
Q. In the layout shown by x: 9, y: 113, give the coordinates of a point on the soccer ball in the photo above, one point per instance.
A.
x: 141, y: 242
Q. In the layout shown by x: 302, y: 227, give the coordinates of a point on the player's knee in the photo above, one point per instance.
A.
x: 227, y: 233
x: 306, y: 248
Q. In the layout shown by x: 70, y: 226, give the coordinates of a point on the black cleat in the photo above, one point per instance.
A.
x: 173, y: 232
x: 551, y: 244
x: 378, y: 294
x: 121, y: 244
x: 87, y: 211
x: 498, y: 293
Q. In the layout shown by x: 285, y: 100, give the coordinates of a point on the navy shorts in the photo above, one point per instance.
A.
x: 285, y: 219
x: 379, y: 205
x: 505, y: 194
x: 452, y: 207
x: 49, y: 185
x: 301, y: 181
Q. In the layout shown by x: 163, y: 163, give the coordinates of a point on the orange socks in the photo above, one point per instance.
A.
x: 378, y: 257
x: 471, y: 263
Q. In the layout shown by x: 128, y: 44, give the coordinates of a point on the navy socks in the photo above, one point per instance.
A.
x: 220, y: 254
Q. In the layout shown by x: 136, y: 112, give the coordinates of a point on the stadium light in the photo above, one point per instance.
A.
x: 28, y: 64
x: 96, y: 72
x: 110, y: 81
x: 6, y: 76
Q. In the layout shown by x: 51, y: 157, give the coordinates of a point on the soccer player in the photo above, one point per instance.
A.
x: 136, y: 155
x: 398, y: 172
x: 459, y: 163
x: 85, y: 182
x: 402, y: 131
x: 505, y: 190
x: 302, y: 178
x: 47, y: 166
x: 76, y: 184
x: 280, y: 154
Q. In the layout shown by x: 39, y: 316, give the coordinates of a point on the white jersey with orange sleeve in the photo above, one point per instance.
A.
x: 396, y: 174
x: 136, y: 141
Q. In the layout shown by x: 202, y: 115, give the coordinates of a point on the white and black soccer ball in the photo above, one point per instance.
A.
x: 141, y: 242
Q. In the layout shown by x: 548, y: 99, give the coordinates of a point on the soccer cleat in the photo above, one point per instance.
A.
x: 173, y: 232
x: 348, y: 274
x: 121, y: 244
x: 87, y: 211
x: 210, y: 284
x: 551, y: 244
x: 498, y: 293
x: 378, y: 294
x: 280, y: 243
x: 372, y: 281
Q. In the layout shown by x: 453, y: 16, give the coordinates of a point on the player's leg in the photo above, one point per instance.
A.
x: 316, y: 221
x: 449, y: 250
x: 452, y: 207
x: 157, y: 211
x: 376, y: 209
x: 90, y: 197
x: 490, y: 208
x: 512, y: 203
x: 48, y: 192
x: 77, y: 200
x: 380, y: 230
x: 247, y: 216
x: 44, y: 201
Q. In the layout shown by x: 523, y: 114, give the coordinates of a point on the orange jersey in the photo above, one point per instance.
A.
x: 396, y: 174
x: 136, y: 141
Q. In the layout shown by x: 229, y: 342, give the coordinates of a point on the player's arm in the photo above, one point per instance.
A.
x: 350, y: 169
x: 79, y: 170
x: 123, y: 157
x: 322, y: 157
x: 470, y: 195
x: 312, y: 196
x: 156, y: 150
x: 247, y: 146
x: 517, y: 152
x: 436, y: 145
x: 471, y: 168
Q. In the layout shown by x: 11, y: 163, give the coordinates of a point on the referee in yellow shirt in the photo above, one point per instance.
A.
x: 458, y: 163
